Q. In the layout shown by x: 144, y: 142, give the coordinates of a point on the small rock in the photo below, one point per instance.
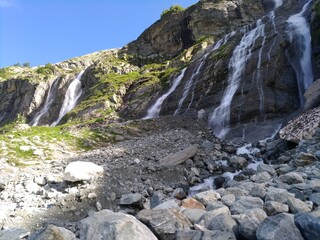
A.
x: 25, y: 148
x: 273, y: 208
x: 243, y: 204
x: 207, y: 197
x: 92, y: 195
x: 266, y: 168
x: 291, y: 178
x: 228, y: 200
x: 40, y: 180
x: 238, y: 162
x: 132, y: 199
x: 261, y: 177
x: 277, y: 194
x: 297, y: 206
x: 304, y: 159
x: 179, y: 193
x: 56, y: 233
x: 98, y: 206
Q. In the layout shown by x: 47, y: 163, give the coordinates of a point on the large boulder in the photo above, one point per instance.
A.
x: 109, y: 225
x: 164, y: 222
x: 249, y: 225
x: 308, y: 225
x: 52, y: 232
x: 278, y: 227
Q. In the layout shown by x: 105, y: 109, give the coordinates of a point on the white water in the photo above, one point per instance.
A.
x: 49, y: 101
x: 191, y: 83
x: 154, y: 110
x: 220, y: 118
x: 299, y: 34
x: 73, y: 93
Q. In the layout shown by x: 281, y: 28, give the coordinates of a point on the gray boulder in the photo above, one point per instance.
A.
x: 52, y: 232
x: 164, y: 222
x: 308, y: 225
x: 273, y: 208
x: 297, y: 206
x: 179, y: 157
x: 278, y: 227
x: 132, y: 199
x: 109, y: 225
x: 315, y: 198
x: 243, y: 204
x: 249, y: 225
x: 238, y: 162
x: 14, y: 234
x: 266, y: 168
x: 207, y: 197
x: 291, y: 178
x: 277, y: 194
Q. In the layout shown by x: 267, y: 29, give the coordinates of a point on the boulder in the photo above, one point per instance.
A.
x: 266, y: 168
x: 249, y: 225
x: 52, y: 232
x: 132, y: 199
x: 193, y: 214
x: 273, y: 208
x: 297, y: 206
x: 189, y: 235
x: 192, y: 203
x: 238, y: 162
x: 277, y: 194
x: 278, y: 227
x: 207, y: 197
x: 14, y: 234
x: 82, y: 171
x: 291, y: 178
x: 179, y: 157
x: 308, y: 225
x: 304, y: 159
x: 315, y: 198
x: 109, y: 225
x: 243, y: 204
x: 164, y: 222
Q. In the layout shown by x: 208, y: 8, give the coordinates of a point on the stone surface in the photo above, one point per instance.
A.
x: 14, y: 234
x: 193, y: 214
x: 308, y: 225
x: 277, y: 194
x: 297, y: 206
x: 266, y: 168
x: 192, y: 203
x: 291, y: 178
x: 81, y: 171
x: 52, y: 232
x: 278, y: 227
x: 109, y: 225
x: 243, y: 204
x: 207, y: 197
x: 248, y: 226
x: 179, y: 157
x: 273, y: 208
x: 238, y: 162
x: 164, y: 222
x: 132, y: 199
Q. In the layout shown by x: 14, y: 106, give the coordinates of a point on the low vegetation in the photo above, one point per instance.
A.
x: 173, y: 8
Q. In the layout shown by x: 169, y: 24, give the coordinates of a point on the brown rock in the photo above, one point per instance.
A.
x: 192, y: 203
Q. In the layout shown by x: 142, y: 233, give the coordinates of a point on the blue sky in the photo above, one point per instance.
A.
x: 49, y: 31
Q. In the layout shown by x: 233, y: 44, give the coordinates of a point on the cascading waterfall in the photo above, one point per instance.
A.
x: 73, y: 93
x: 191, y: 83
x: 300, y: 37
x: 48, y: 103
x: 156, y: 107
x: 220, y: 118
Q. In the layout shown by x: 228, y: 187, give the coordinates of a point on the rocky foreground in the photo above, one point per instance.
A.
x: 142, y: 187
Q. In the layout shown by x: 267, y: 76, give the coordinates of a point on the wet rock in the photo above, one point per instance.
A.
x: 52, y: 232
x: 107, y: 224
x: 164, y: 222
x: 291, y: 178
x: 249, y: 225
x: 219, y: 181
x: 132, y: 199
x: 273, y: 208
x: 179, y: 157
x: 243, y: 204
x: 278, y: 227
x: 308, y: 225
x: 238, y: 162
x: 82, y: 171
x: 40, y: 180
x: 207, y: 197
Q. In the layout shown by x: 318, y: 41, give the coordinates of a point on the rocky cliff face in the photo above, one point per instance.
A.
x: 125, y: 83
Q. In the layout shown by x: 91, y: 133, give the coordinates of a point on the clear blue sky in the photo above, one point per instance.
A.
x: 49, y: 31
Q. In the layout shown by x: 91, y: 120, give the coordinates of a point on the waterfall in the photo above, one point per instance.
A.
x: 73, y: 93
x: 300, y: 37
x: 49, y: 101
x: 191, y: 83
x: 156, y: 107
x: 220, y: 118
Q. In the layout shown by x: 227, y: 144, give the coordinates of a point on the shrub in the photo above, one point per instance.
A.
x: 173, y: 8
x: 47, y: 69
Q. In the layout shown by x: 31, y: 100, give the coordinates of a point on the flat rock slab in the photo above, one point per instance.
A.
x: 179, y: 157
x: 82, y: 171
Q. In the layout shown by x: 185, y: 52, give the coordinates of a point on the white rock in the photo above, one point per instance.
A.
x: 25, y: 148
x: 81, y: 171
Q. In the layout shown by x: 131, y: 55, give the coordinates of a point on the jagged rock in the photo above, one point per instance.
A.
x: 243, y: 204
x: 277, y: 194
x: 266, y: 168
x: 302, y: 127
x: 193, y: 214
x: 291, y: 178
x: 156, y: 199
x: 238, y: 162
x: 228, y: 200
x: 220, y: 222
x: 304, y: 159
x: 207, y: 197
x: 311, y: 96
x: 249, y: 225
x: 308, y: 225
x: 273, y: 208
x: 297, y: 206
x: 179, y: 157
x: 108, y: 225
x: 52, y: 232
x: 82, y: 171
x: 192, y: 203
x: 14, y: 234
x: 278, y: 227
x: 261, y: 177
x: 164, y: 222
